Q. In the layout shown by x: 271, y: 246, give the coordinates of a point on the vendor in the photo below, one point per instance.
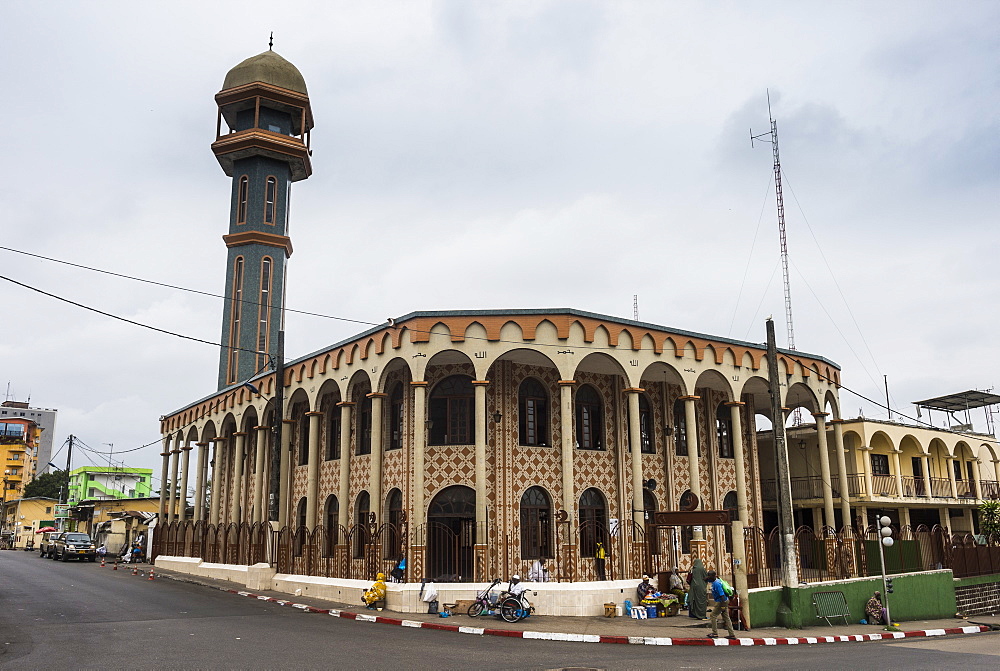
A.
x: 375, y: 593
x: 644, y: 588
x: 676, y: 586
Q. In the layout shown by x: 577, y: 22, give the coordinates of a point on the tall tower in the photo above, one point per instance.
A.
x: 265, y: 106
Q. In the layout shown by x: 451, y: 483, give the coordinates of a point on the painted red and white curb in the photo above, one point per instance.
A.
x: 595, y: 638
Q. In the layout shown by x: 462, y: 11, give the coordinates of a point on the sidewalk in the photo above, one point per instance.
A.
x: 678, y: 630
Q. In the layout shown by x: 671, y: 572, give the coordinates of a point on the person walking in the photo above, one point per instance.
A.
x: 697, y: 596
x: 600, y: 554
x: 721, y: 606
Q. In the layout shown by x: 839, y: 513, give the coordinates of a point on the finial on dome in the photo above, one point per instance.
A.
x: 270, y: 42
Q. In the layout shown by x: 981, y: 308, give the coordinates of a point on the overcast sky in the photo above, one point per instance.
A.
x: 506, y: 155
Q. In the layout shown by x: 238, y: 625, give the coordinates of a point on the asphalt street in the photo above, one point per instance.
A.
x: 56, y: 615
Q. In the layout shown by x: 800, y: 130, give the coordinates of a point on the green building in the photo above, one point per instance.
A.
x: 109, y: 482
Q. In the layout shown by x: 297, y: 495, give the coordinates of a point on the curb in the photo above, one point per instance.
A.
x: 595, y: 638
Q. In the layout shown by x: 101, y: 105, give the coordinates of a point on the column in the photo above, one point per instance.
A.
x: 824, y: 469
x: 566, y: 430
x: 925, y: 464
x: 866, y: 464
x: 312, y: 469
x: 694, y: 468
x: 416, y: 562
x: 897, y: 471
x: 949, y: 464
x: 977, y: 487
x: 236, y: 505
x: 739, y: 462
x: 186, y: 466
x: 480, y: 415
x: 740, y: 569
x: 845, y: 485
x: 164, y: 476
x: 375, y: 464
x: 285, y: 473
x: 175, y: 458
x: 259, y: 498
x: 199, y: 483
x: 345, y: 463
x: 635, y: 448
x: 904, y: 516
x: 215, y: 503
x: 945, y: 519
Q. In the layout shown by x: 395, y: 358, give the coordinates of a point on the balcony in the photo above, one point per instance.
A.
x: 811, y: 487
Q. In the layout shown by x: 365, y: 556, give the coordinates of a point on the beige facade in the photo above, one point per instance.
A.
x: 24, y: 517
x: 614, y: 399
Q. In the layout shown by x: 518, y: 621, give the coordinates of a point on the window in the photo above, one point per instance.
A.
x: 452, y: 412
x: 394, y: 537
x: 593, y: 522
x: 396, y: 417
x: 264, y: 312
x: 724, y: 431
x: 968, y: 465
x: 957, y: 467
x: 589, y: 419
x: 646, y: 443
x: 361, y: 511
x: 880, y: 464
x: 270, y: 196
x: 680, y: 429
x: 649, y: 508
x: 533, y: 413
x: 331, y: 516
x: 536, y: 514
x: 302, y: 442
x: 729, y: 504
x: 363, y: 419
x: 234, y: 325
x: 332, y: 434
x: 241, y: 200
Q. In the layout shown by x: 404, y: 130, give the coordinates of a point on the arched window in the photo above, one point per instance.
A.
x: 363, y: 419
x: 332, y: 433
x: 241, y: 200
x: 264, y: 311
x: 452, y: 412
x: 589, y: 419
x: 270, y: 198
x: 394, y: 516
x: 396, y: 417
x: 331, y: 517
x: 680, y: 429
x: 536, y: 515
x: 649, y: 507
x: 300, y: 513
x: 729, y: 504
x: 646, y: 443
x: 362, y: 508
x: 300, y: 530
x: 533, y: 413
x: 593, y: 522
x: 724, y: 431
x: 234, y: 322
x: 687, y: 532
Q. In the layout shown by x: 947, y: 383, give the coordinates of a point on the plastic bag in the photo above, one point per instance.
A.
x: 430, y: 593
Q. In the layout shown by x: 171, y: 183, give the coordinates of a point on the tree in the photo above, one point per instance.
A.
x: 989, y: 518
x: 51, y: 485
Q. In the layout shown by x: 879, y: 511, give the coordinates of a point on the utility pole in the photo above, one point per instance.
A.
x: 69, y: 453
x: 274, y: 485
x: 783, y: 482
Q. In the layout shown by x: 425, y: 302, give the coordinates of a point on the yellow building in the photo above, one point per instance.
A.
x: 18, y: 445
x: 24, y: 517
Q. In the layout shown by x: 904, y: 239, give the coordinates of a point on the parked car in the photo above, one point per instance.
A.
x: 74, y: 544
x: 47, y: 543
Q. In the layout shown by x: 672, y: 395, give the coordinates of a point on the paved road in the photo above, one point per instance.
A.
x: 81, y: 616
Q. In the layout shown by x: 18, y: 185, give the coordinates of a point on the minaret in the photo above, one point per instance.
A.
x: 265, y: 106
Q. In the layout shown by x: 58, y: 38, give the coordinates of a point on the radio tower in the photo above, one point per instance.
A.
x: 635, y: 306
x: 772, y: 137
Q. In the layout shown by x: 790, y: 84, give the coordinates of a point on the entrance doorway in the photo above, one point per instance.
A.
x: 451, y: 535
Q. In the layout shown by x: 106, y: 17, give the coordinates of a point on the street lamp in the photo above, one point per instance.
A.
x: 885, y: 533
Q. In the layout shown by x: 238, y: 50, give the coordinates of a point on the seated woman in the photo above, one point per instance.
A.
x: 874, y: 610
x: 375, y: 593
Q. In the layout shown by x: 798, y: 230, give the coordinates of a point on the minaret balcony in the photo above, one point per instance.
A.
x: 259, y: 142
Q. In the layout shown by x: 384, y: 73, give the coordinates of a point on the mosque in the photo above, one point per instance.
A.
x: 471, y: 443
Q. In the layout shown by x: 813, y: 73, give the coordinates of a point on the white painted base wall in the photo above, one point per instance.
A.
x: 549, y: 598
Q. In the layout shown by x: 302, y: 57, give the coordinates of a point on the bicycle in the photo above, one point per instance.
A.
x: 483, y: 603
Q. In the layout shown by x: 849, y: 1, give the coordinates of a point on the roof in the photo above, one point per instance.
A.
x: 966, y: 400
x: 266, y: 68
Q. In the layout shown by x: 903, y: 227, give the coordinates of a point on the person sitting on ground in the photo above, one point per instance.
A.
x: 721, y: 606
x: 375, y: 593
x: 676, y: 586
x: 136, y: 554
x: 538, y: 572
x: 643, y: 588
x: 874, y: 610
x: 102, y: 551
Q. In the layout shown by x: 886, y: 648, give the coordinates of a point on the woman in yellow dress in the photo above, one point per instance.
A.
x: 376, y: 592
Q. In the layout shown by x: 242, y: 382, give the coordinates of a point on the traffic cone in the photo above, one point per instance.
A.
x: 135, y: 570
x: 116, y: 566
x: 102, y: 562
x: 150, y: 574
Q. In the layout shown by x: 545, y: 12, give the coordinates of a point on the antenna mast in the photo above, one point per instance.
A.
x: 772, y: 137
x: 635, y: 306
